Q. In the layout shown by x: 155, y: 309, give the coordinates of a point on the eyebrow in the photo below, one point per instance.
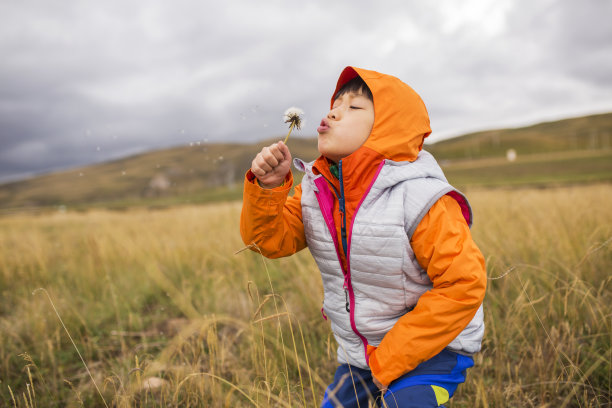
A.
x: 352, y: 95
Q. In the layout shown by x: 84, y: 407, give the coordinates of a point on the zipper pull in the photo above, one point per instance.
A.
x: 346, y: 297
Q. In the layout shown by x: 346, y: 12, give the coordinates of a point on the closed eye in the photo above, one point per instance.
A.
x: 355, y: 107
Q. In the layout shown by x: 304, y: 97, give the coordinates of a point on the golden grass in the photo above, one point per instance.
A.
x: 165, y: 314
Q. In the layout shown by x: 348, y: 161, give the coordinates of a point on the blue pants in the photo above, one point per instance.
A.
x: 431, y: 384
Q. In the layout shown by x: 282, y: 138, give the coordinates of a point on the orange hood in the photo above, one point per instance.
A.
x: 401, y: 122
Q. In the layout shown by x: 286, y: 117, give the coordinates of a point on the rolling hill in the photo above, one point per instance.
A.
x: 567, y: 151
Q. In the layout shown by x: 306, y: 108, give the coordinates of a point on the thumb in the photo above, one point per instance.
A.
x: 284, y: 150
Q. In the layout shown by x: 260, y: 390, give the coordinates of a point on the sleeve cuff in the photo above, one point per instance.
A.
x: 377, y: 372
x: 253, y: 188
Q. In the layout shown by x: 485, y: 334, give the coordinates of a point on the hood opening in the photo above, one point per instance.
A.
x: 401, y: 121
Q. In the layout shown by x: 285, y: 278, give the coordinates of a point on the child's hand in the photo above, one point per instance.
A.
x: 381, y: 387
x: 271, y: 165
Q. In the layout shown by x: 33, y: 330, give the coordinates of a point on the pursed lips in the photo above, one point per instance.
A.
x: 324, y: 126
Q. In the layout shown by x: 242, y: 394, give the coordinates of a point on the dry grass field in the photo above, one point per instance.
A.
x: 146, y: 308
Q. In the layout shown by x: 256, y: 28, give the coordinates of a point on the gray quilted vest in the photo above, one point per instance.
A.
x: 384, y: 280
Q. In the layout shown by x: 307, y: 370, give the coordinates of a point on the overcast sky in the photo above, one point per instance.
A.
x: 85, y: 81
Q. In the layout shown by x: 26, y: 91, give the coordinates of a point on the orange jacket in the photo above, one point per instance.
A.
x: 442, y: 241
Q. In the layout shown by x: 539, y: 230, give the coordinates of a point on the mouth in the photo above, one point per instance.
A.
x: 323, y: 127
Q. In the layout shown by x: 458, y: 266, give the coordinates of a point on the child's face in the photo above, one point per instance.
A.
x: 346, y: 127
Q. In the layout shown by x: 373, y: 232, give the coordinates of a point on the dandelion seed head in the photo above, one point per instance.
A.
x: 293, y: 116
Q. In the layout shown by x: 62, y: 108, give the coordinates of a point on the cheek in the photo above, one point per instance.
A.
x: 365, y: 132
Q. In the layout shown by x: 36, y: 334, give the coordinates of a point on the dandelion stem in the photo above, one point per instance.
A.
x: 290, y: 129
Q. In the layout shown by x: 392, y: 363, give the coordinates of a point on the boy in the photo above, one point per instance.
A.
x: 403, y: 281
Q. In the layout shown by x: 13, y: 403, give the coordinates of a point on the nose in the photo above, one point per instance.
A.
x: 334, y: 114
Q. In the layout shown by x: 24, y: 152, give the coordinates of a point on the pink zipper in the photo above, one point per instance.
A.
x: 348, y: 264
x: 325, y: 199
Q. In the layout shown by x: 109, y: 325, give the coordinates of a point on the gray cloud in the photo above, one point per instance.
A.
x: 85, y: 82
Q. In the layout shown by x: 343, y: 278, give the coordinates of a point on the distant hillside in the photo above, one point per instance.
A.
x: 584, y: 133
x: 201, y: 172
x: 576, y: 150
x: 565, y: 151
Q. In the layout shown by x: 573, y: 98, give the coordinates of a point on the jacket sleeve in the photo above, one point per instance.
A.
x: 444, y: 248
x: 272, y: 220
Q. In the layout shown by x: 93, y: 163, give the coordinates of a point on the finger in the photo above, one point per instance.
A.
x: 259, y: 173
x: 275, y: 149
x: 262, y: 164
x: 284, y: 149
x: 256, y: 170
x: 269, y: 156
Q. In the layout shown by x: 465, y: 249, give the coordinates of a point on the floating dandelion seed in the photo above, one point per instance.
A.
x: 293, y: 116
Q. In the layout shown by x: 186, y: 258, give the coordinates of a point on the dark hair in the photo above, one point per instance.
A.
x: 355, y: 85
